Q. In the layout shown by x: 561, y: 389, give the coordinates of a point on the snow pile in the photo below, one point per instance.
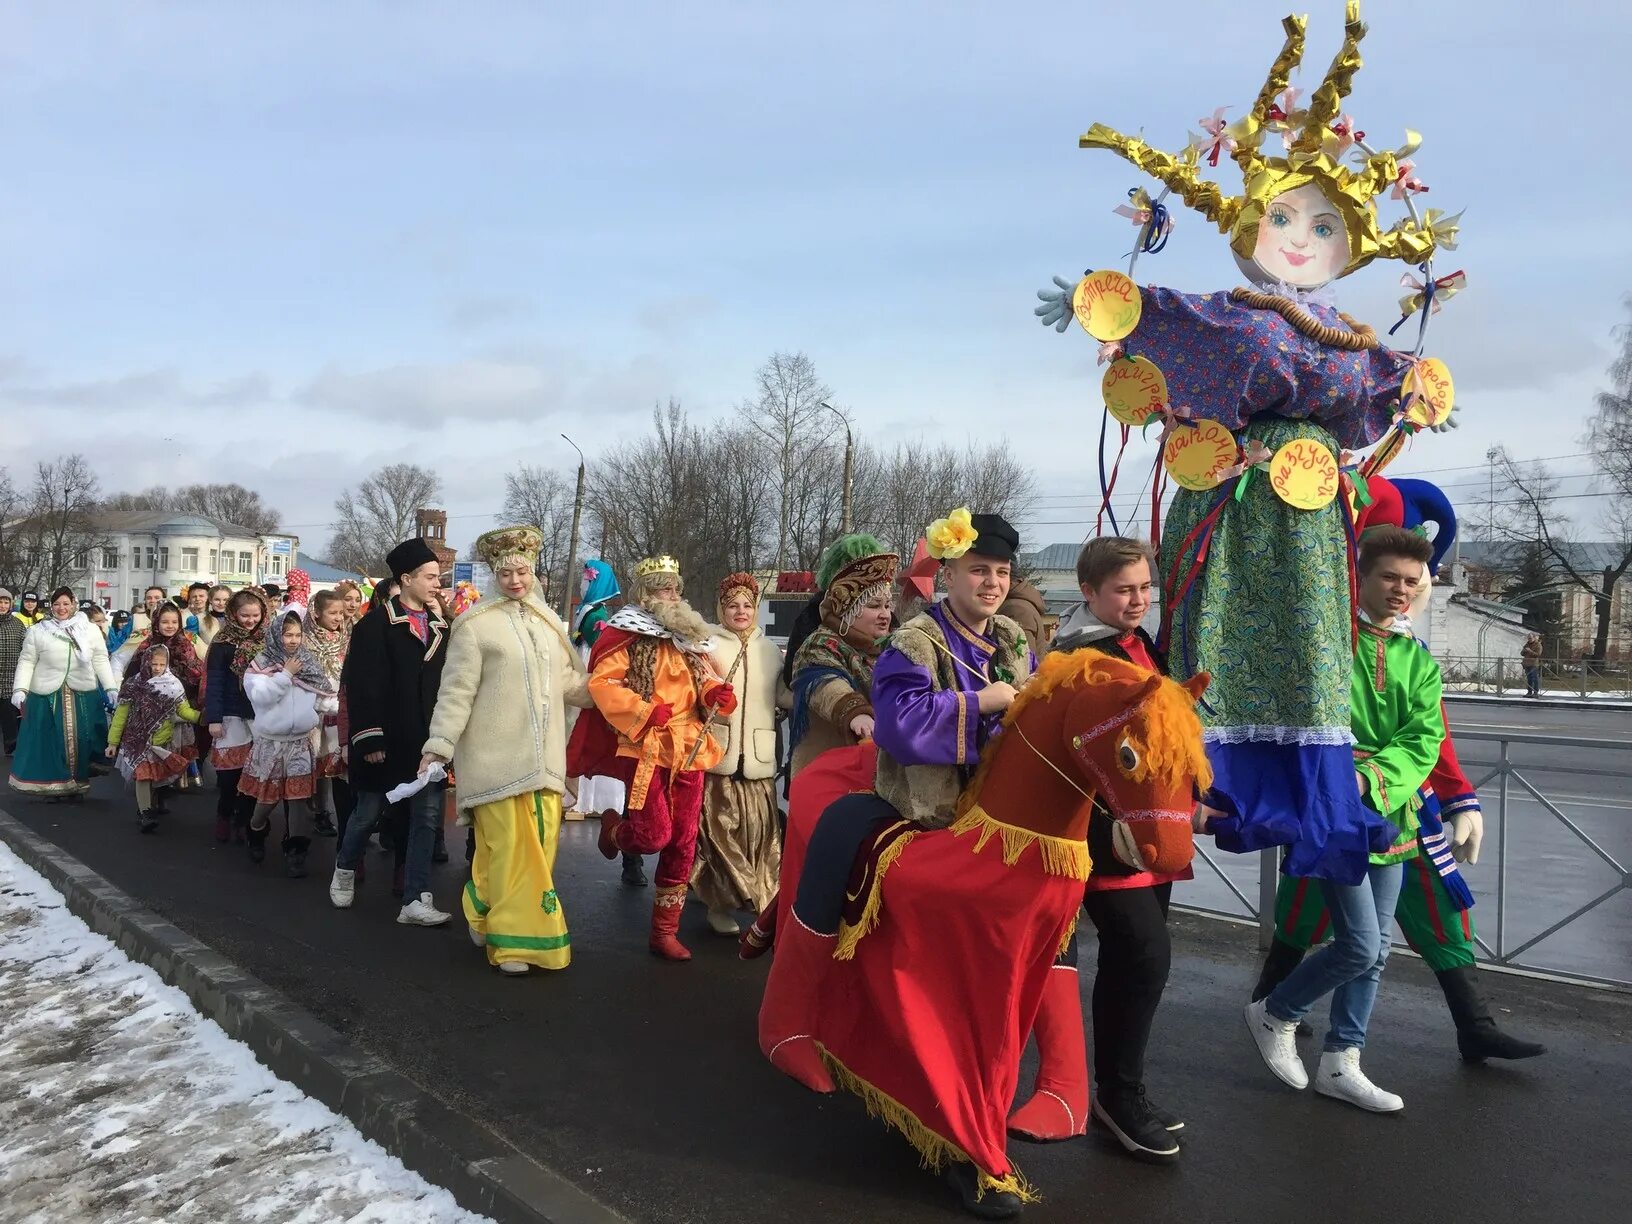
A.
x: 119, y: 1103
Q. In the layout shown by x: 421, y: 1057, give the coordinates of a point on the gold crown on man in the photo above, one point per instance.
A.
x: 663, y: 564
x: 1315, y: 153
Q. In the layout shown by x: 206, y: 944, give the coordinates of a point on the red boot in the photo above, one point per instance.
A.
x: 607, y: 842
x: 1058, y: 1108
x: 761, y: 933
x: 666, y: 908
x: 786, y: 1017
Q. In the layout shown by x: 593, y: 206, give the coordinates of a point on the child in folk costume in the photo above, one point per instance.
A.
x: 186, y: 665
x: 143, y: 738
x: 327, y: 635
x: 501, y: 719
x: 290, y: 693
x: 228, y: 712
x: 739, y: 847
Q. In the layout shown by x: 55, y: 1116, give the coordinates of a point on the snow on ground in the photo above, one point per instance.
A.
x: 119, y: 1103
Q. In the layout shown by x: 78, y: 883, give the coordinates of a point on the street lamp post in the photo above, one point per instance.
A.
x: 572, y: 545
x: 849, y: 465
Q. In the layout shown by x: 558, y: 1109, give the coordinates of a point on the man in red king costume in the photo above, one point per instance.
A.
x: 654, y: 694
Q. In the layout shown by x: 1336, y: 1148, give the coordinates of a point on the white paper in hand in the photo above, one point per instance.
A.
x: 407, y: 790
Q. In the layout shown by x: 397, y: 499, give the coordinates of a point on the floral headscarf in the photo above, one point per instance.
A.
x: 310, y: 676
x: 328, y: 646
x: 245, y: 643
x: 185, y: 664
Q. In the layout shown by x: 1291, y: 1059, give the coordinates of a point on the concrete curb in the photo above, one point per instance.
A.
x: 482, y: 1172
x: 1545, y: 703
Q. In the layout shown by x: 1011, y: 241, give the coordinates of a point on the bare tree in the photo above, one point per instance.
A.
x: 900, y: 492
x: 228, y: 503
x: 541, y: 497
x: 49, y: 534
x: 378, y: 514
x: 225, y: 503
x: 156, y: 497
x: 699, y: 493
x: 787, y: 417
x: 1528, y: 514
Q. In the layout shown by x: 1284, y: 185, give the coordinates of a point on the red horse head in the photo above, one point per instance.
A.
x: 1090, y: 726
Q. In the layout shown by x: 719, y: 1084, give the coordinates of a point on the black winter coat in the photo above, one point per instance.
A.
x: 390, y: 681
x: 1100, y: 847
x: 223, y: 691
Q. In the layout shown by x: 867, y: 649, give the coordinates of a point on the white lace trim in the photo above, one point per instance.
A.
x: 1265, y: 733
x: 633, y: 619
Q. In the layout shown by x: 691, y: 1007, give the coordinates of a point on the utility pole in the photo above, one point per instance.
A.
x: 847, y: 523
x: 1491, y: 456
x: 567, y: 586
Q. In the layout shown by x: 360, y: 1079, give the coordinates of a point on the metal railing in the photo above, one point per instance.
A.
x: 1503, y: 785
x: 1559, y: 677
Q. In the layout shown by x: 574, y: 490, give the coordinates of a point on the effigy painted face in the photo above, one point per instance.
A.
x: 1302, y: 241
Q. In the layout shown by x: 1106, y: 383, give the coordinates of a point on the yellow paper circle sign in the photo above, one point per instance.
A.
x: 1431, y: 393
x: 1107, y: 305
x: 1197, y: 456
x: 1303, y: 474
x: 1134, y: 389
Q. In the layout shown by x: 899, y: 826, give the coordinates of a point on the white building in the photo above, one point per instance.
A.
x: 143, y: 548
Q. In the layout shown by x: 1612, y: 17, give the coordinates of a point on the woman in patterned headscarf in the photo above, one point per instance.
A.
x: 832, y: 672
x: 739, y: 848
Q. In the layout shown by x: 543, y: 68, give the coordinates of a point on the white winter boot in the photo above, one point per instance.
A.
x: 1339, y: 1076
x: 1277, y: 1041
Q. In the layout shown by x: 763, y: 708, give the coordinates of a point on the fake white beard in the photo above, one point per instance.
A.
x: 678, y: 617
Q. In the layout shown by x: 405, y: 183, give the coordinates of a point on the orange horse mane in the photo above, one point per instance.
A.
x: 1170, y: 729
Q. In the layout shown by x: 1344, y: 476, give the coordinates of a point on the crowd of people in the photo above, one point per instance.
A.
x: 353, y: 712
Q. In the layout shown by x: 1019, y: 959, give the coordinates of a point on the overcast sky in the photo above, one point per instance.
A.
x: 283, y: 244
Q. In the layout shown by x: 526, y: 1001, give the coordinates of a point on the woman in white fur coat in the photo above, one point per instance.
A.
x: 501, y: 719
x: 62, y: 676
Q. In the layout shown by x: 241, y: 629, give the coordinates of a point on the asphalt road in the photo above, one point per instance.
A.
x: 1551, y: 870
x: 641, y: 1081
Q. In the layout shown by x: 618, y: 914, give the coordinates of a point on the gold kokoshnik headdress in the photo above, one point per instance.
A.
x: 1317, y: 138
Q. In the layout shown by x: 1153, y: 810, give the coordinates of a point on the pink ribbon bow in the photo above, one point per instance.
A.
x: 1217, y: 139
x: 1406, y: 183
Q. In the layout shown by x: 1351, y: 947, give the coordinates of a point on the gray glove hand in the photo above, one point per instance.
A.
x: 1056, y: 310
x: 1450, y: 422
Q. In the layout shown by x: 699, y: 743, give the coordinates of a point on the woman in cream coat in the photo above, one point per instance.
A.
x: 739, y: 844
x: 501, y: 719
x: 62, y: 676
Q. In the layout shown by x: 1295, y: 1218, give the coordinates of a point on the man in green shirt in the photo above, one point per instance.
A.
x: 1398, y: 728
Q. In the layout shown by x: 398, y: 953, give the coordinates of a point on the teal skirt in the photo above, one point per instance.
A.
x: 62, y: 733
x: 1269, y: 613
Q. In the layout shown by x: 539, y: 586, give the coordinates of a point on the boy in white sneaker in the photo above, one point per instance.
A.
x: 1398, y: 727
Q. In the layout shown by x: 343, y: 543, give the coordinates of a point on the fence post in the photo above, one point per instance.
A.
x: 1584, y: 666
x: 1501, y: 861
x: 1269, y: 870
x: 1501, y: 683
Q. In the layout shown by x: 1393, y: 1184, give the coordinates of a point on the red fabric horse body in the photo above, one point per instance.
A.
x: 924, y: 1006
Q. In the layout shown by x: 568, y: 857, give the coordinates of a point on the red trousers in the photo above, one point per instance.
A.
x: 667, y: 825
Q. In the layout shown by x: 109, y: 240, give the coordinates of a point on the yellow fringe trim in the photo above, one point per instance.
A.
x: 1070, y: 930
x: 851, y: 934
x: 934, y: 1150
x: 1062, y: 856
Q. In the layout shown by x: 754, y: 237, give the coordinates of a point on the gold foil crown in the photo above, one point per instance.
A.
x: 664, y: 564
x: 1318, y: 138
x: 495, y: 546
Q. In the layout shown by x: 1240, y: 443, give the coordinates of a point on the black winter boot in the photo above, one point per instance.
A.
x: 294, y: 856
x: 634, y: 871
x: 256, y: 840
x: 147, y: 821
x: 323, y: 822
x: 992, y: 1205
x: 1477, y: 1036
x: 160, y: 808
x: 1278, y: 965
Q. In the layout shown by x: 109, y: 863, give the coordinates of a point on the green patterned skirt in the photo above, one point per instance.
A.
x: 62, y: 733
x: 1269, y: 613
